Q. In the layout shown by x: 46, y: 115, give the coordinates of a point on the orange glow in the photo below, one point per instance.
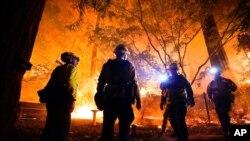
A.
x: 85, y: 102
x: 143, y: 91
x: 84, y: 112
x: 52, y: 39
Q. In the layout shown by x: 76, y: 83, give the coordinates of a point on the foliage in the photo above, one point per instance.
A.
x: 244, y: 39
x: 244, y: 44
x: 81, y: 5
x: 169, y: 27
x: 37, y: 72
x: 243, y: 13
x: 167, y: 35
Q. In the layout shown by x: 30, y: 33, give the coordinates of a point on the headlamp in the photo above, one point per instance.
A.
x: 214, y: 70
x: 163, y: 77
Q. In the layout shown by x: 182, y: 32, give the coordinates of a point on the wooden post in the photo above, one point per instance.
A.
x: 206, y: 105
x: 94, y: 116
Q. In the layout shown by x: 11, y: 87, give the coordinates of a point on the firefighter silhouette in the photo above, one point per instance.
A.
x: 60, y: 99
x: 117, y: 91
x: 178, y: 94
x: 220, y: 91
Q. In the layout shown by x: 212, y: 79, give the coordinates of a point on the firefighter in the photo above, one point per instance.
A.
x: 61, y: 99
x: 179, y: 95
x: 117, y: 90
x: 220, y: 93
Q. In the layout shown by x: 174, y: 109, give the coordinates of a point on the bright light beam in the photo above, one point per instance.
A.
x: 213, y: 70
x: 162, y: 77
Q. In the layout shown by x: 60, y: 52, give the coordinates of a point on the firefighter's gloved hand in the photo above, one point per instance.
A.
x: 138, y: 105
x: 162, y: 105
x: 192, y: 103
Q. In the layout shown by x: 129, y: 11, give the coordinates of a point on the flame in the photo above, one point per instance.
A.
x: 248, y: 54
x: 147, y: 91
x: 143, y: 91
x: 153, y: 117
x: 85, y: 106
x: 86, y: 112
x: 247, y: 81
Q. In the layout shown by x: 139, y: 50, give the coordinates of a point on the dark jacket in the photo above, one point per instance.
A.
x: 118, y: 79
x: 62, y: 84
x: 221, y: 88
x: 178, y: 89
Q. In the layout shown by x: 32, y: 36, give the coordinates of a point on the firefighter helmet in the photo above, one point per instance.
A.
x: 173, y: 66
x: 121, y: 49
x: 66, y: 57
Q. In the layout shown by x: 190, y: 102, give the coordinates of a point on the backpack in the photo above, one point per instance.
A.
x: 57, y: 89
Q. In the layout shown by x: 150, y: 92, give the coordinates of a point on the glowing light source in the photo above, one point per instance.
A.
x: 162, y: 77
x: 213, y: 70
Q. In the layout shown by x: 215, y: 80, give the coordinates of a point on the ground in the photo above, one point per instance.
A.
x: 31, y: 121
x: 84, y: 130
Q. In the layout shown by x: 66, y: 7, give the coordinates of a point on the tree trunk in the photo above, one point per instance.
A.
x: 94, y: 50
x: 93, y: 61
x: 212, y: 39
x: 19, y: 26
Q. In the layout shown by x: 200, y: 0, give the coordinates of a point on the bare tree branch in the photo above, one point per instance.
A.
x: 149, y: 38
x: 148, y: 62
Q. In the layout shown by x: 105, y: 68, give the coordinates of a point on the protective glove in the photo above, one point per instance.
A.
x: 138, y: 105
x: 192, y: 103
x: 162, y: 105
